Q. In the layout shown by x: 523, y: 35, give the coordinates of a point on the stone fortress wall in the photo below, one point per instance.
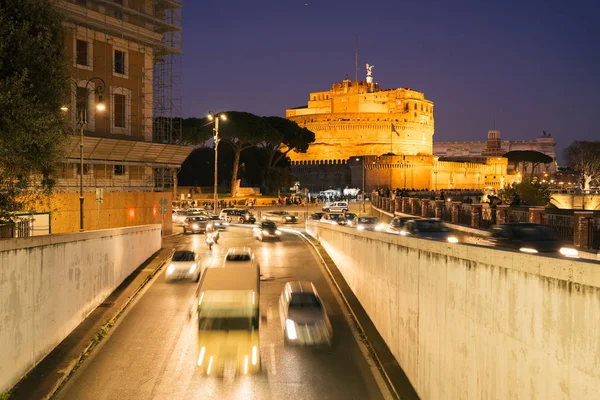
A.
x: 383, y: 138
x: 358, y: 118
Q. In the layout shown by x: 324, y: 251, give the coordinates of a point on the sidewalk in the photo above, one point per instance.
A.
x: 53, y: 371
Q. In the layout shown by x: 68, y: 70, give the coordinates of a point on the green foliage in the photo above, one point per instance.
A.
x: 279, y: 178
x: 584, y: 158
x: 34, y: 84
x: 528, y: 157
x: 284, y: 137
x: 531, y: 194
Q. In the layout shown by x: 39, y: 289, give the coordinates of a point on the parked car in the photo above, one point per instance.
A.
x: 195, y: 224
x: 282, y: 217
x: 183, y: 265
x: 397, y: 224
x: 333, y: 218
x: 369, y: 224
x: 266, y: 230
x: 304, y: 320
x: 428, y: 229
x: 529, y: 238
x: 237, y: 215
x: 340, y: 206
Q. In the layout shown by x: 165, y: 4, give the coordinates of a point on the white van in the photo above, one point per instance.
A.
x: 339, y: 206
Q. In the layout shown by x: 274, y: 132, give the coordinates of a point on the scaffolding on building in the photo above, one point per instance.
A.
x: 153, y: 30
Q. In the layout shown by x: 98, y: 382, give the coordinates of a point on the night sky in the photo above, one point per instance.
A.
x: 527, y: 65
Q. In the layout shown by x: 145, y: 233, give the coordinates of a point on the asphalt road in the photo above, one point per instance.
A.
x: 152, y: 352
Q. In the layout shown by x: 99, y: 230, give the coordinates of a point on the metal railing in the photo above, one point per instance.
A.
x: 464, y: 215
x: 488, y: 217
x: 562, y: 225
x: 15, y: 229
x: 517, y: 215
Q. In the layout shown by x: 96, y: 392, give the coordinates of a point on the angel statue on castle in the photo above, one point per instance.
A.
x: 370, y: 70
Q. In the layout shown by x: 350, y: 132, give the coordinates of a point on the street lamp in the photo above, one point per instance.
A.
x: 81, y: 123
x: 216, y: 118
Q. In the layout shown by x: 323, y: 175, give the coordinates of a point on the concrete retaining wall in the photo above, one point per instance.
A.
x: 49, y: 284
x: 468, y: 322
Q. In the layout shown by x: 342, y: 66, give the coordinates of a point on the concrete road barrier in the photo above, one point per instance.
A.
x: 49, y: 284
x: 470, y: 322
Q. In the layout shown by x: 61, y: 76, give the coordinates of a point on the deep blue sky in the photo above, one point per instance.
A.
x: 531, y: 65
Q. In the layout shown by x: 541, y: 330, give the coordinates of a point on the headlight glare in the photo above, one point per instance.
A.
x: 568, y: 252
x: 528, y: 250
x: 193, y: 268
x: 452, y: 239
x: 360, y: 228
x: 291, y: 329
x: 171, y: 269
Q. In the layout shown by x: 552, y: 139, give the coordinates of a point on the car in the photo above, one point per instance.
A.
x: 196, y: 224
x: 282, y: 217
x: 217, y: 222
x: 336, y: 206
x: 266, y: 230
x: 529, y: 238
x: 396, y: 224
x: 183, y: 265
x: 333, y: 218
x: 239, y: 257
x: 316, y: 216
x: 369, y: 224
x: 237, y: 215
x: 179, y: 216
x: 428, y: 229
x: 304, y: 320
x: 350, y: 219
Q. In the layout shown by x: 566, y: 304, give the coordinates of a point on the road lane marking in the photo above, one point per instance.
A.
x: 272, y: 358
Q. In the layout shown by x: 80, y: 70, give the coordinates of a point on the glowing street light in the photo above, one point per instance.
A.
x: 216, y: 118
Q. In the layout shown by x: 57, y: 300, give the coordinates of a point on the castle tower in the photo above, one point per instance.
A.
x: 494, y: 143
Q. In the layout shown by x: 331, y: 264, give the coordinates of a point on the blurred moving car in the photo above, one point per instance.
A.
x: 350, y: 219
x: 183, y: 265
x: 217, y: 222
x: 237, y: 215
x: 282, y: 217
x: 239, y: 257
x: 334, y: 218
x: 316, y: 216
x: 529, y: 238
x: 369, y: 224
x: 179, y: 216
x: 196, y: 224
x: 428, y: 229
x: 228, y: 321
x: 339, y: 206
x: 304, y: 319
x: 397, y: 224
x: 266, y: 230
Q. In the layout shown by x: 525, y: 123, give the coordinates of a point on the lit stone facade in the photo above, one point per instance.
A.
x: 359, y: 118
x: 366, y: 136
x: 495, y: 146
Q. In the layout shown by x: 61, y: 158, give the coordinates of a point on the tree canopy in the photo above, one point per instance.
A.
x: 274, y: 136
x: 532, y: 157
x: 584, y: 158
x: 34, y: 84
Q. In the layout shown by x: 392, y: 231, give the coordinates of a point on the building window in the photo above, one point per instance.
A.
x: 120, y: 62
x: 120, y: 170
x: 415, y: 106
x: 81, y: 52
x: 119, y: 110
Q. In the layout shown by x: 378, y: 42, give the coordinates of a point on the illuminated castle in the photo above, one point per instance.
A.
x: 385, y: 133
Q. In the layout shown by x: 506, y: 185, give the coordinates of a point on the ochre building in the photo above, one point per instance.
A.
x: 374, y: 138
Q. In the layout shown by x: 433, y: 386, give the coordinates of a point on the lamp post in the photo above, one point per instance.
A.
x: 81, y: 123
x: 363, y: 184
x: 216, y: 118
